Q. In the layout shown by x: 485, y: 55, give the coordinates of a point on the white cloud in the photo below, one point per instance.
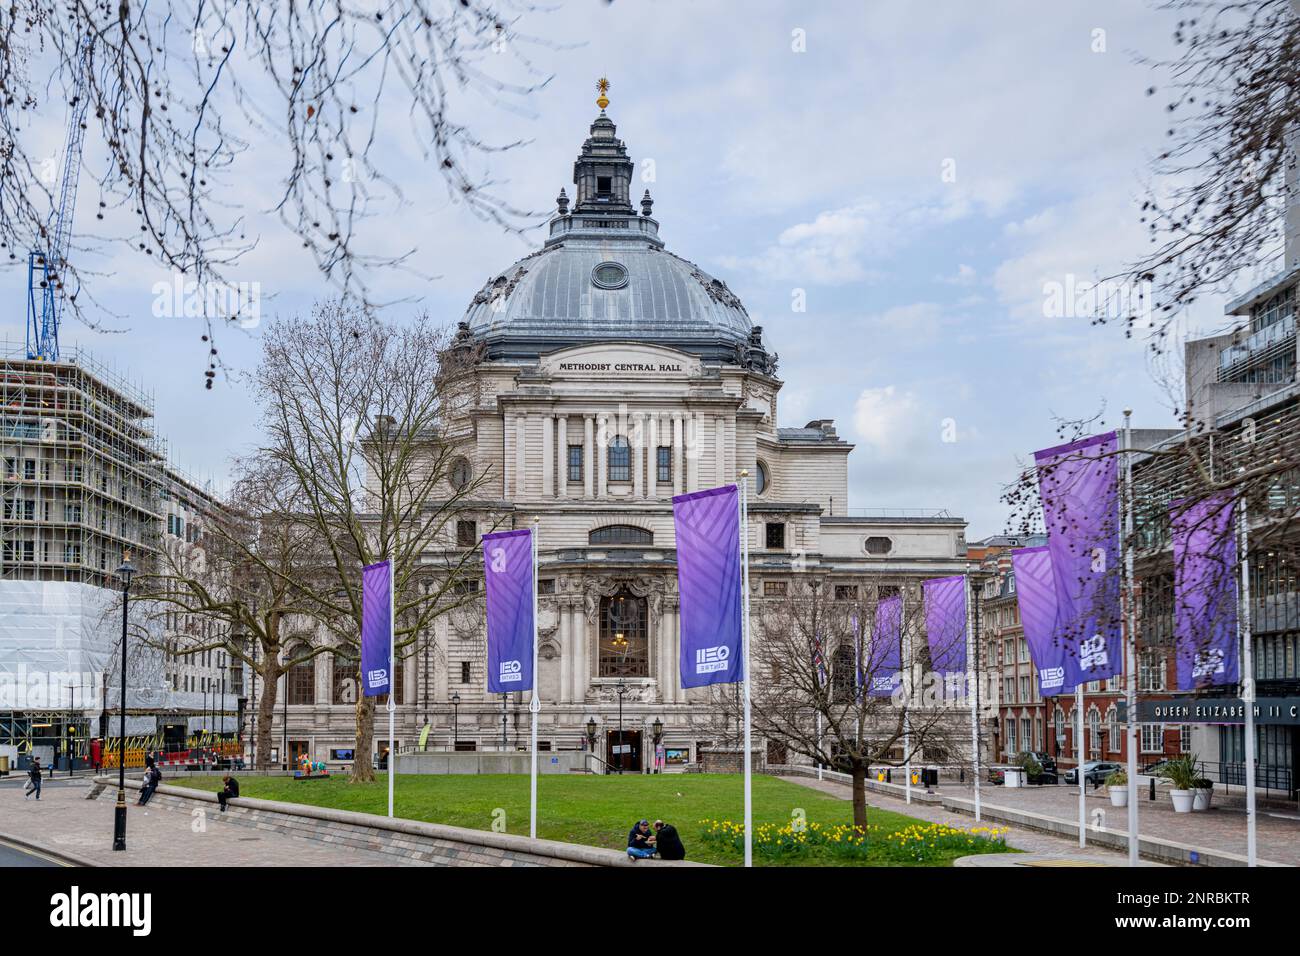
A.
x: 886, y: 419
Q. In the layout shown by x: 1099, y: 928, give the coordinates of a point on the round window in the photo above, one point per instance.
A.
x: 609, y: 275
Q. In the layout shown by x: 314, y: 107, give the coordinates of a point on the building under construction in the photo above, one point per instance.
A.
x: 85, y: 480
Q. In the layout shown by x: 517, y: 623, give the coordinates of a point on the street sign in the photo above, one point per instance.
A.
x: 1219, y: 710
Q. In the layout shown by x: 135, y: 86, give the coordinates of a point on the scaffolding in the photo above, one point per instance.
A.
x: 82, y: 471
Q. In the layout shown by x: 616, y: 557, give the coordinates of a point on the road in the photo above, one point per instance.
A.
x: 11, y: 855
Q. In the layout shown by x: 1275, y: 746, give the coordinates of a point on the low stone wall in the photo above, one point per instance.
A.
x: 487, y: 761
x: 729, y: 760
x: 405, y: 840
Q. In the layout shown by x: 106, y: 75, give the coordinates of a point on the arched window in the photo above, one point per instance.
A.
x: 1094, y: 728
x: 1112, y: 721
x: 620, y: 534
x: 301, y: 679
x: 620, y: 459
x: 624, y: 641
x: 760, y: 477
x: 1058, y: 722
x: 843, y: 678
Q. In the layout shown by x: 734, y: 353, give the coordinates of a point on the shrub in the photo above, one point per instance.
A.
x: 1117, y: 778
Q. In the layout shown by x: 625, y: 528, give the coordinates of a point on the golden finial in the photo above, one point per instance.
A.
x: 602, y: 85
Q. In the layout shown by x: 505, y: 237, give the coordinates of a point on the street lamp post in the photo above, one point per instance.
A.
x: 657, y: 729
x: 621, y: 689
x: 591, y: 734
x: 119, y: 812
x: 455, y: 719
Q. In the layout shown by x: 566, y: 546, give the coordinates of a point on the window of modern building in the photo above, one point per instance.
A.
x: 624, y: 648
x: 774, y: 536
x: 620, y: 459
x: 466, y: 533
x: 664, y: 463
x: 620, y: 534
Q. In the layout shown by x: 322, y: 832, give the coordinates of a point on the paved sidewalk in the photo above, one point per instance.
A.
x: 1221, y: 829
x: 1030, y: 841
x: 64, y: 820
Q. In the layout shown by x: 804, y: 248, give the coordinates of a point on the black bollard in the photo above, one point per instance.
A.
x: 1152, y: 794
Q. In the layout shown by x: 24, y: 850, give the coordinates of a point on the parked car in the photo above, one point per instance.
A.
x: 1095, y: 772
x: 1043, y: 760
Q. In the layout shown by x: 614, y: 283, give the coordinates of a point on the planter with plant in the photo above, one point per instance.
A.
x: 1202, y: 789
x: 1117, y: 787
x: 1182, y: 776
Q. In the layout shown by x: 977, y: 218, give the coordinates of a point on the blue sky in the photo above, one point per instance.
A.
x: 918, y: 170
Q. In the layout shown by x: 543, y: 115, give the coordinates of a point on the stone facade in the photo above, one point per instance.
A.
x: 612, y: 376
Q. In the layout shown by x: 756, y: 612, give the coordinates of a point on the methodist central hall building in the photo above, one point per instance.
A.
x: 615, y: 374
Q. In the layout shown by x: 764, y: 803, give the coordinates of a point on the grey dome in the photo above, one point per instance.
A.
x: 551, y: 299
x: 557, y: 298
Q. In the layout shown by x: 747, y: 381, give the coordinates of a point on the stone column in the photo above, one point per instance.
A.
x: 638, y: 458
x: 508, y: 455
x: 678, y: 461
x: 692, y: 425
x: 563, y: 443
x: 720, y: 451
x: 578, y: 630
x: 652, y: 470
x: 588, y: 456
x: 566, y: 652
x: 521, y: 455
x: 602, y: 455
x: 548, y: 456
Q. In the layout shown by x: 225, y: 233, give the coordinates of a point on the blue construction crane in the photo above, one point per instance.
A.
x: 45, y: 267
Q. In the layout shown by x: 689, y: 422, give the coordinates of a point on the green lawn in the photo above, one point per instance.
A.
x: 599, y: 810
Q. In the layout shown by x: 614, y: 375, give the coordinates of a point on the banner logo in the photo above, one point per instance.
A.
x: 1209, y: 662
x: 1050, y: 677
x: 377, y: 677
x: 709, y: 660
x: 511, y: 672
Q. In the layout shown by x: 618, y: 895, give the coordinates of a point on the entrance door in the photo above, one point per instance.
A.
x: 623, y: 754
x: 297, y: 749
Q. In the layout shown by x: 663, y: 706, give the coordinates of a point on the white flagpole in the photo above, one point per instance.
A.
x: 392, y: 686
x: 744, y: 587
x: 1078, y: 757
x: 906, y: 680
x: 534, y: 703
x: 972, y: 679
x: 1247, y: 677
x: 819, y: 743
x: 1130, y: 645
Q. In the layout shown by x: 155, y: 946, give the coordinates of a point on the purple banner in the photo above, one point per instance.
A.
x: 945, y: 622
x: 509, y: 584
x: 707, y: 525
x: 1204, y: 540
x: 1078, y: 487
x: 376, y: 628
x: 1036, y: 597
x: 886, y: 669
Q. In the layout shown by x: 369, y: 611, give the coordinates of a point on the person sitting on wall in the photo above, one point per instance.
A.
x: 229, y: 790
x: 640, y: 841
x: 668, y: 842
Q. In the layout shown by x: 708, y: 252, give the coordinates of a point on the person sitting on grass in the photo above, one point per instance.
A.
x: 641, y: 842
x: 667, y: 842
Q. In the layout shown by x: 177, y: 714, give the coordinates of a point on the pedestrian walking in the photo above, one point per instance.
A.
x: 33, y: 780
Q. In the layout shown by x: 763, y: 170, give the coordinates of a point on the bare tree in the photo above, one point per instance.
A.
x: 825, y: 690
x: 177, y: 93
x: 241, y: 574
x: 361, y: 417
x: 1215, y: 207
